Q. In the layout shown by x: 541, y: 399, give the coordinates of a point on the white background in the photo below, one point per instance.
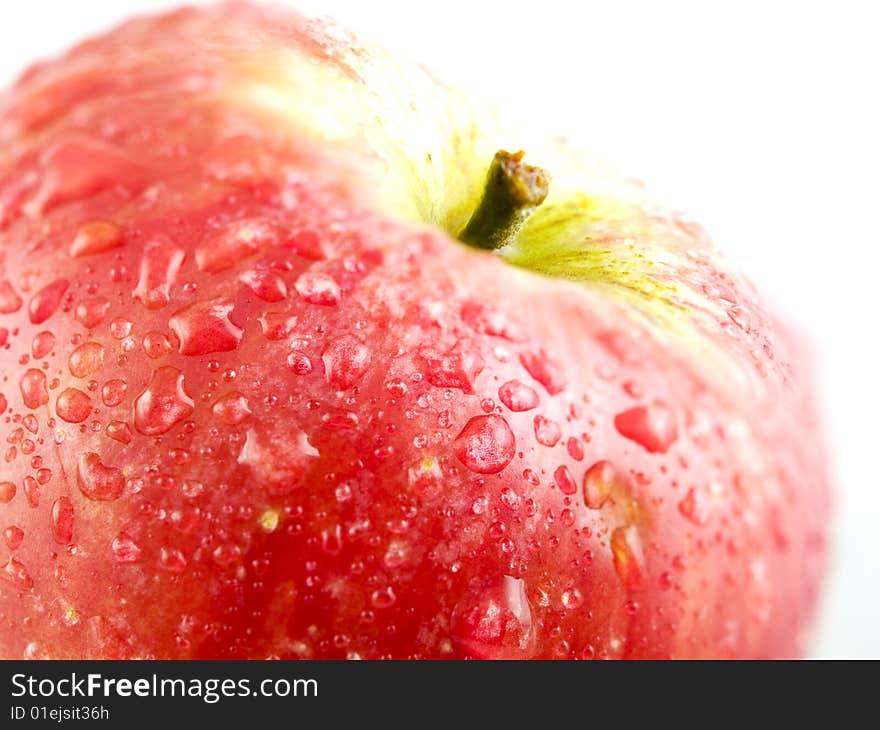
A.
x: 760, y: 119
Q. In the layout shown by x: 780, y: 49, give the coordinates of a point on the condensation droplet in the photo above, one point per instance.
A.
x: 9, y: 300
x: 86, y: 359
x: 119, y: 431
x: 235, y: 242
x: 163, y: 404
x: 96, y: 237
x: 277, y: 325
x: 317, y: 287
x: 15, y: 573
x: 565, y: 482
x: 91, y: 312
x: 42, y: 344
x: 496, y: 622
x: 7, y: 492
x: 346, y: 360
x: 547, y: 432
x: 97, y: 481
x: 44, y: 303
x: 486, y: 444
x: 172, y: 560
x: 160, y: 264
x: 113, y: 392
x: 62, y: 520
x: 265, y: 284
x: 693, y: 508
x: 205, y: 327
x: 572, y: 598
x: 13, y: 536
x: 73, y: 406
x: 383, y: 597
x: 518, y: 396
x: 299, y: 363
x: 232, y: 409
x: 120, y: 328
x: 156, y: 345
x: 33, y: 388
x: 652, y: 427
x: 600, y: 481
x: 451, y: 369
x: 545, y: 370
x: 626, y: 552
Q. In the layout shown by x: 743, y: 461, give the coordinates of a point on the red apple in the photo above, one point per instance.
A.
x: 259, y: 400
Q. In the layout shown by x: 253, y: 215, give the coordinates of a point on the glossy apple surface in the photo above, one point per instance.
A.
x: 256, y: 400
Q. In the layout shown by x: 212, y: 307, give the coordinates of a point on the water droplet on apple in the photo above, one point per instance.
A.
x: 15, y: 573
x: 62, y: 520
x: 307, y: 244
x: 565, y: 482
x: 451, y: 369
x: 265, y: 284
x: 299, y: 363
x: 120, y: 328
x: 73, y: 405
x: 163, y: 404
x: 331, y: 540
x: 113, y: 392
x: 33, y: 388
x: 518, y: 396
x: 572, y: 598
x: 13, y: 536
x: 277, y: 325
x: 160, y: 264
x: 226, y: 554
x: 76, y: 168
x: 383, y: 598
x: 9, y: 300
x: 740, y: 317
x: 232, y: 409
x: 396, y: 388
x: 97, y: 481
x: 547, y: 432
x: 346, y: 361
x: 86, y: 359
x: 44, y: 303
x: 652, y: 427
x: 91, y: 312
x: 600, y: 481
x: 7, y: 492
x: 317, y: 287
x: 156, y: 345
x: 496, y: 623
x: 693, y: 508
x: 96, y: 237
x: 119, y: 431
x: 32, y: 491
x: 235, y: 242
x: 485, y: 445
x: 172, y: 560
x: 545, y: 370
x: 627, y: 554
x: 42, y: 344
x: 205, y: 327
x: 574, y: 448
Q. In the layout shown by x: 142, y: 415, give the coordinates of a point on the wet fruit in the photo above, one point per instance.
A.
x: 257, y: 399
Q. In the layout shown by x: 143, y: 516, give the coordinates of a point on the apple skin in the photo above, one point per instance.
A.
x: 247, y: 412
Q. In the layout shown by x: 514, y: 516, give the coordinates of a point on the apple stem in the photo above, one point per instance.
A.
x: 512, y: 192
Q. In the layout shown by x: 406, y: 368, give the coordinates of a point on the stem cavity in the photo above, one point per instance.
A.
x: 512, y: 192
